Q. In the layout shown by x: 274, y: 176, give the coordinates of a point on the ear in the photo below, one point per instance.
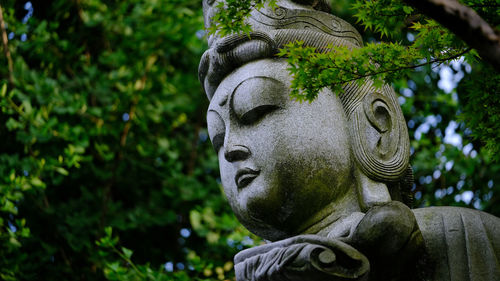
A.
x: 380, y: 144
x: 381, y: 134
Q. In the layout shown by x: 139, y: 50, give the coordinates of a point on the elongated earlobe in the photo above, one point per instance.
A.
x: 370, y: 192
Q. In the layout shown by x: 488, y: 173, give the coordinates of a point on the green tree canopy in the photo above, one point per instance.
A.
x: 103, y: 132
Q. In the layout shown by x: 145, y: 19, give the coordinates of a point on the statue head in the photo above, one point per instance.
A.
x: 290, y: 167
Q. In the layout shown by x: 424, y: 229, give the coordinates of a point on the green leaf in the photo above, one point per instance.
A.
x: 128, y: 253
x: 3, y: 91
x: 61, y: 171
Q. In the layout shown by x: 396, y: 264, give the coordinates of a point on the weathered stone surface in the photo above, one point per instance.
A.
x: 323, y: 180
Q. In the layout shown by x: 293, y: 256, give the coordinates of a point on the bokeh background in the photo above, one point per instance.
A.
x: 106, y: 170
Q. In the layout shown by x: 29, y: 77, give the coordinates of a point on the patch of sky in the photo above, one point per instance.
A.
x: 439, y: 153
x: 467, y: 148
x: 185, y: 232
x: 26, y: 173
x: 440, y: 193
x: 407, y: 92
x: 467, y: 196
x: 247, y: 241
x: 451, y: 137
x: 180, y: 266
x: 125, y: 117
x: 200, y: 34
x: 401, y: 100
x: 446, y: 82
x: 428, y: 179
x: 421, y: 180
x: 29, y: 7
x: 24, y: 37
x: 430, y: 121
x: 411, y: 124
x: 418, y: 195
x: 467, y: 132
x: 473, y: 154
x: 412, y: 84
x: 11, y: 35
x: 448, y: 78
x: 443, y: 159
x: 477, y: 204
x: 450, y: 190
x: 202, y: 136
x: 449, y: 165
x: 461, y: 184
x: 12, y: 227
x: 438, y: 133
x: 490, y: 184
x: 488, y: 196
x: 410, y: 36
x: 436, y: 174
x: 468, y: 68
x: 169, y: 266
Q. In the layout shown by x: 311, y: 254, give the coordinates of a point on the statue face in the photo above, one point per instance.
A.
x: 281, y: 162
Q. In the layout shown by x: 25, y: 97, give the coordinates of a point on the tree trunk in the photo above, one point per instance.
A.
x: 466, y: 24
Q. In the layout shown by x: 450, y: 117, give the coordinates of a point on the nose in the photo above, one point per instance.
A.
x: 235, y: 153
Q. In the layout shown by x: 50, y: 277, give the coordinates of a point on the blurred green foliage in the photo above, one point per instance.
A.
x: 104, y: 126
x: 106, y: 172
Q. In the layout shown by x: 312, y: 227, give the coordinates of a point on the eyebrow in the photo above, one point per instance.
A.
x: 220, y: 101
x: 214, y: 111
x: 267, y: 78
x: 223, y: 99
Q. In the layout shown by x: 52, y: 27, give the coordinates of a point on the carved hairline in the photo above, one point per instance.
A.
x: 233, y: 51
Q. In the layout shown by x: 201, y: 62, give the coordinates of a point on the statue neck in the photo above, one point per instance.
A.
x: 328, y: 219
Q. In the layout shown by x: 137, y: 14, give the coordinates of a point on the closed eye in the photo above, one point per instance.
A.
x: 257, y: 113
x: 218, y: 142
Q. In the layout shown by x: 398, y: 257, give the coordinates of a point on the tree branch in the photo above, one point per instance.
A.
x: 466, y: 24
x: 6, y: 51
x: 437, y: 60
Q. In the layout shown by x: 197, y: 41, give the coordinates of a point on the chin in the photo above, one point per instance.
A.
x: 262, y: 228
x: 266, y: 219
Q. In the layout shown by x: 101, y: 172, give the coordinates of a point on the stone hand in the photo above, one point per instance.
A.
x: 390, y: 237
x: 304, y: 257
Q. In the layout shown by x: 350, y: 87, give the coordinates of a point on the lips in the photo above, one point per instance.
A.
x: 245, y: 176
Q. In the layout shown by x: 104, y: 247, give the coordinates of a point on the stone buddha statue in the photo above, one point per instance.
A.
x: 327, y: 183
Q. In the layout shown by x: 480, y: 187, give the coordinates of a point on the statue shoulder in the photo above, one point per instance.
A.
x: 453, y: 219
x: 464, y: 244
